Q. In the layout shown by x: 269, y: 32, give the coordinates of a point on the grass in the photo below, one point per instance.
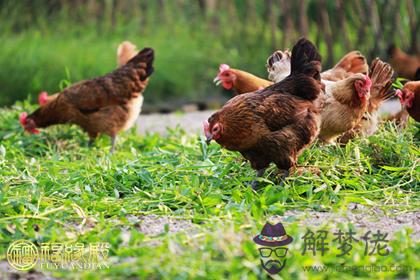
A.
x: 39, y: 44
x: 51, y: 185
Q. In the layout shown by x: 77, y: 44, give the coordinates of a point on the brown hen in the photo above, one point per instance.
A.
x: 125, y: 52
x: 106, y: 104
x: 240, y: 81
x: 405, y: 65
x: 276, y: 123
x: 380, y: 74
x: 410, y: 99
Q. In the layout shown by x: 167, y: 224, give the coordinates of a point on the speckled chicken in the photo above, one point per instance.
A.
x: 106, y: 104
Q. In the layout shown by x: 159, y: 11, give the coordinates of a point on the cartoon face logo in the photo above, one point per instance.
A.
x: 271, y: 243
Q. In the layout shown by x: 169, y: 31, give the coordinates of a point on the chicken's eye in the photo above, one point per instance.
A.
x: 215, y: 129
x: 227, y: 74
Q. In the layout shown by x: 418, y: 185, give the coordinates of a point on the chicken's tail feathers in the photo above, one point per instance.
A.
x: 306, y: 59
x: 306, y: 65
x: 143, y: 62
x: 126, y: 51
x: 417, y: 75
x: 353, y: 63
x: 380, y: 74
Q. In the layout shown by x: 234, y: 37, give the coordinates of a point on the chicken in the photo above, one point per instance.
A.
x: 400, y: 118
x: 105, y: 104
x: 125, y: 52
x: 278, y: 66
x: 380, y: 74
x: 410, y: 99
x: 405, y: 66
x: 276, y: 123
x: 345, y: 103
x: 241, y: 81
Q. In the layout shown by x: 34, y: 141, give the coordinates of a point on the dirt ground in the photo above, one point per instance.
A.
x: 192, y: 122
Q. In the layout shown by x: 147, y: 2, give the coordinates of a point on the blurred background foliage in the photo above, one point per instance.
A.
x: 42, y: 40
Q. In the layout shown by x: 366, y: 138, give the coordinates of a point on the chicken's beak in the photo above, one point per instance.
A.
x: 209, y: 138
x: 217, y: 80
x: 366, y: 93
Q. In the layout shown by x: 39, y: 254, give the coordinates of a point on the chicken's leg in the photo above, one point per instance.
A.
x: 113, y: 138
x: 283, y: 178
x: 92, y: 138
x: 259, y: 174
x: 91, y: 141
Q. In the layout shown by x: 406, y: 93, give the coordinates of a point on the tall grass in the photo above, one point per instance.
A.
x: 40, y: 39
x: 187, y: 55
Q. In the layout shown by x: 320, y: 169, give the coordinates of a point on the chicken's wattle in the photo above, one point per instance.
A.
x: 22, y: 119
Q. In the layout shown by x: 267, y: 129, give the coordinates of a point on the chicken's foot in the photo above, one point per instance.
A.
x: 260, y: 173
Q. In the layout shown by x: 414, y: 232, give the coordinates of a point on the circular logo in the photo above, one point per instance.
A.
x: 22, y: 254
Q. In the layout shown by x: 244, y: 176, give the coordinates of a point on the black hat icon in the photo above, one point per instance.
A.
x: 273, y: 236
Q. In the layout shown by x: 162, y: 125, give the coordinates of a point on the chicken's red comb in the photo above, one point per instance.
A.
x: 368, y: 82
x: 42, y: 98
x: 223, y: 67
x: 206, y: 127
x: 400, y: 94
x: 22, y: 118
